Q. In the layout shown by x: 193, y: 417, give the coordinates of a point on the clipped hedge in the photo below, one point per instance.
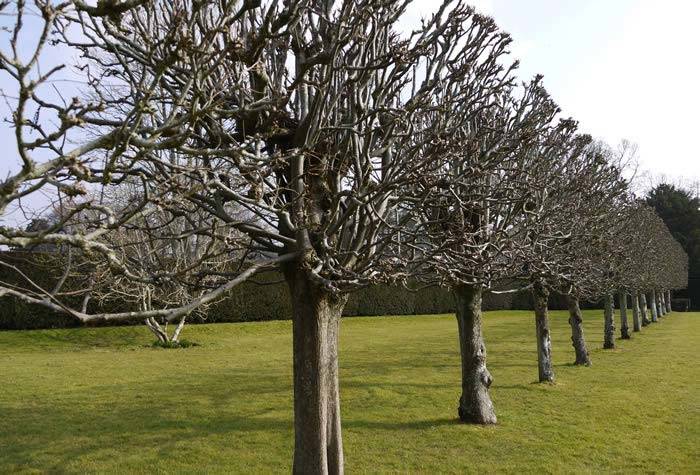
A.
x: 680, y: 305
x: 41, y: 268
x: 267, y: 298
x: 264, y: 298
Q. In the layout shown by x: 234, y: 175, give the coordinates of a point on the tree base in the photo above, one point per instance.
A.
x: 475, y: 406
x: 482, y: 418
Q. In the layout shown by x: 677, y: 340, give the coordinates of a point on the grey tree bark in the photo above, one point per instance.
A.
x: 645, y: 313
x: 578, y: 340
x: 318, y: 444
x: 157, y: 330
x: 664, y: 305
x: 475, y: 404
x: 609, y: 334
x: 654, y: 308
x: 161, y: 331
x: 178, y: 329
x: 636, y: 316
x: 624, y: 326
x: 540, y: 296
x: 668, y: 301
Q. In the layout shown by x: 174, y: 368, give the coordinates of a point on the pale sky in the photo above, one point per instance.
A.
x: 623, y: 68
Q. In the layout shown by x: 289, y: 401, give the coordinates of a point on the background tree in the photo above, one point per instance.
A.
x: 565, y: 217
x: 190, y: 245
x: 591, y: 256
x: 69, y: 153
x: 469, y: 210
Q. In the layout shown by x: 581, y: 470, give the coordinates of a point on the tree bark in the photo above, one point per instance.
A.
x: 645, y: 313
x: 664, y: 304
x: 668, y: 301
x: 540, y: 296
x: 578, y: 340
x: 609, y: 342
x: 636, y: 317
x: 475, y: 404
x: 652, y: 304
x: 624, y: 326
x: 178, y: 329
x: 157, y: 330
x: 318, y: 446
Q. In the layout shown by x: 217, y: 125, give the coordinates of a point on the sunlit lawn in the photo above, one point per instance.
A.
x: 101, y: 400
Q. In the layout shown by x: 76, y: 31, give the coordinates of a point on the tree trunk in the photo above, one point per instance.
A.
x: 157, y: 330
x: 318, y: 446
x: 636, y: 317
x: 540, y: 296
x: 662, y: 302
x: 578, y: 341
x: 645, y: 313
x: 668, y: 301
x: 624, y: 327
x: 652, y: 304
x: 475, y: 404
x: 609, y: 342
x: 178, y: 329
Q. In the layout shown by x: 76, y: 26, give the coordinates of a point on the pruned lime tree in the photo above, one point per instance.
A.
x: 472, y: 209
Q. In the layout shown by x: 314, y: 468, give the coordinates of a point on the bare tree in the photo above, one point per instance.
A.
x: 645, y: 257
x: 572, y: 233
x: 69, y: 179
x: 190, y: 245
x: 470, y: 210
x: 312, y: 116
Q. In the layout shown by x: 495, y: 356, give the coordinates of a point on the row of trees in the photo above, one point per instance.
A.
x: 210, y: 141
x: 680, y: 209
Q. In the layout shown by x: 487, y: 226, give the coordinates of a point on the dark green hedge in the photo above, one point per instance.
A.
x: 44, y: 271
x: 268, y: 299
x: 265, y: 298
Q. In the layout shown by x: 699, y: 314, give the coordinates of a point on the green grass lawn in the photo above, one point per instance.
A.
x: 100, y: 400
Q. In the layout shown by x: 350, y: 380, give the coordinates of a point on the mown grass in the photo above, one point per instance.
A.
x: 103, y: 400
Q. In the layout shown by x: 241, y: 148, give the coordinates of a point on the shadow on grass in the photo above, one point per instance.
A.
x: 63, y: 434
x: 79, y: 338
